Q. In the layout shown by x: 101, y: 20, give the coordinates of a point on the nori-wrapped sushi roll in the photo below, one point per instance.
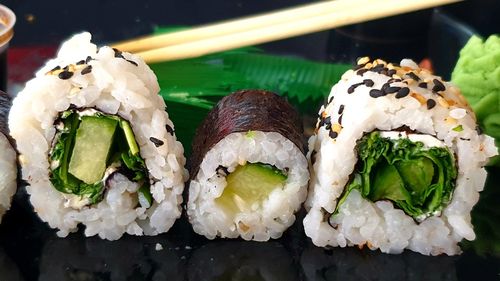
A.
x: 248, y: 170
x: 8, y: 167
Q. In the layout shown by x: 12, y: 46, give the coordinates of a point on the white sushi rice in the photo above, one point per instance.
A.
x: 380, y: 225
x: 114, y: 86
x: 267, y: 220
x: 8, y: 174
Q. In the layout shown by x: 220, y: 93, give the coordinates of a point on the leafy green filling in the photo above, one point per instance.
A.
x: 124, y: 153
x: 418, y: 180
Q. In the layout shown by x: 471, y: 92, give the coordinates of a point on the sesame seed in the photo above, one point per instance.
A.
x: 66, y: 67
x: 391, y: 72
x: 375, y: 93
x: 423, y: 85
x: 88, y: 59
x: 65, y: 75
x: 403, y: 92
x: 118, y: 53
x: 132, y: 62
x: 170, y: 130
x: 341, y: 109
x: 156, y: 141
x: 361, y: 71
x: 87, y: 69
x: 353, y: 87
x: 438, y: 86
x: 330, y: 99
x: 333, y: 134
x: 431, y: 104
x: 413, y: 76
x: 80, y: 62
x: 368, y: 82
x: 391, y: 90
x: 55, y: 68
x: 221, y: 170
x: 340, y: 119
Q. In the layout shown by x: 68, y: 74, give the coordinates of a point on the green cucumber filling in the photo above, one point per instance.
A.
x: 250, y: 184
x: 88, y: 148
x: 417, y: 179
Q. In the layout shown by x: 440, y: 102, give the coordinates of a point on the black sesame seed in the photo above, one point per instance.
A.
x: 368, y: 82
x: 438, y: 86
x: 170, y: 130
x: 330, y: 99
x: 65, y: 75
x: 118, y: 53
x: 221, y: 170
x: 402, y: 93
x: 66, y: 67
x: 80, y: 62
x: 375, y: 93
x: 87, y: 69
x: 431, y: 104
x: 423, y: 85
x: 333, y: 134
x: 55, y: 68
x: 341, y: 109
x: 378, y: 68
x: 391, y: 72
x: 132, y: 62
x: 328, y: 120
x: 464, y: 139
x: 88, y: 59
x: 361, y: 71
x: 413, y: 76
x: 353, y: 87
x: 156, y: 141
x: 392, y: 90
x: 340, y: 120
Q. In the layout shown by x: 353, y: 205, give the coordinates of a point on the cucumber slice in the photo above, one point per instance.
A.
x: 249, y: 184
x: 93, y: 141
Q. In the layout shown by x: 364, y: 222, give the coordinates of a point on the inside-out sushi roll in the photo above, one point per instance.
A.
x: 8, y: 166
x: 248, y: 170
x: 96, y: 145
x: 397, y: 162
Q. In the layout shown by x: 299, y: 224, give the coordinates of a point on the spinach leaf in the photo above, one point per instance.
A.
x: 416, y: 179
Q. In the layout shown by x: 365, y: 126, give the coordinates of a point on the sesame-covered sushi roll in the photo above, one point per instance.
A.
x: 8, y: 167
x: 396, y: 162
x: 248, y: 170
x: 96, y: 146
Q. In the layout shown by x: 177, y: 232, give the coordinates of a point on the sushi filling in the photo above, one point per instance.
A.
x: 89, y: 147
x: 418, y: 178
x: 248, y: 186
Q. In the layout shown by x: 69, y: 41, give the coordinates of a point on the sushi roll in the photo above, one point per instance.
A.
x: 396, y: 162
x: 96, y: 145
x: 8, y: 166
x: 248, y: 169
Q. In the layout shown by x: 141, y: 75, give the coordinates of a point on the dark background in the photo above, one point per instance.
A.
x: 29, y: 250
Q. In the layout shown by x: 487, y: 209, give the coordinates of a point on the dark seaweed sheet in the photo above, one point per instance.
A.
x: 243, y: 111
x: 5, y: 104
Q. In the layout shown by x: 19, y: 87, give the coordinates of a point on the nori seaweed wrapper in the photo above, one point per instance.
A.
x: 243, y: 111
x: 5, y: 104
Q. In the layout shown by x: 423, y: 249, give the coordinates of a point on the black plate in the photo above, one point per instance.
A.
x: 30, y: 250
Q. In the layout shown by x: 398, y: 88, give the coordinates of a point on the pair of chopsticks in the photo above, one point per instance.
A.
x: 268, y: 27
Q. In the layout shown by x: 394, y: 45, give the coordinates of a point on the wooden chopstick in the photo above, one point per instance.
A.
x: 233, y: 26
x: 341, y: 12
